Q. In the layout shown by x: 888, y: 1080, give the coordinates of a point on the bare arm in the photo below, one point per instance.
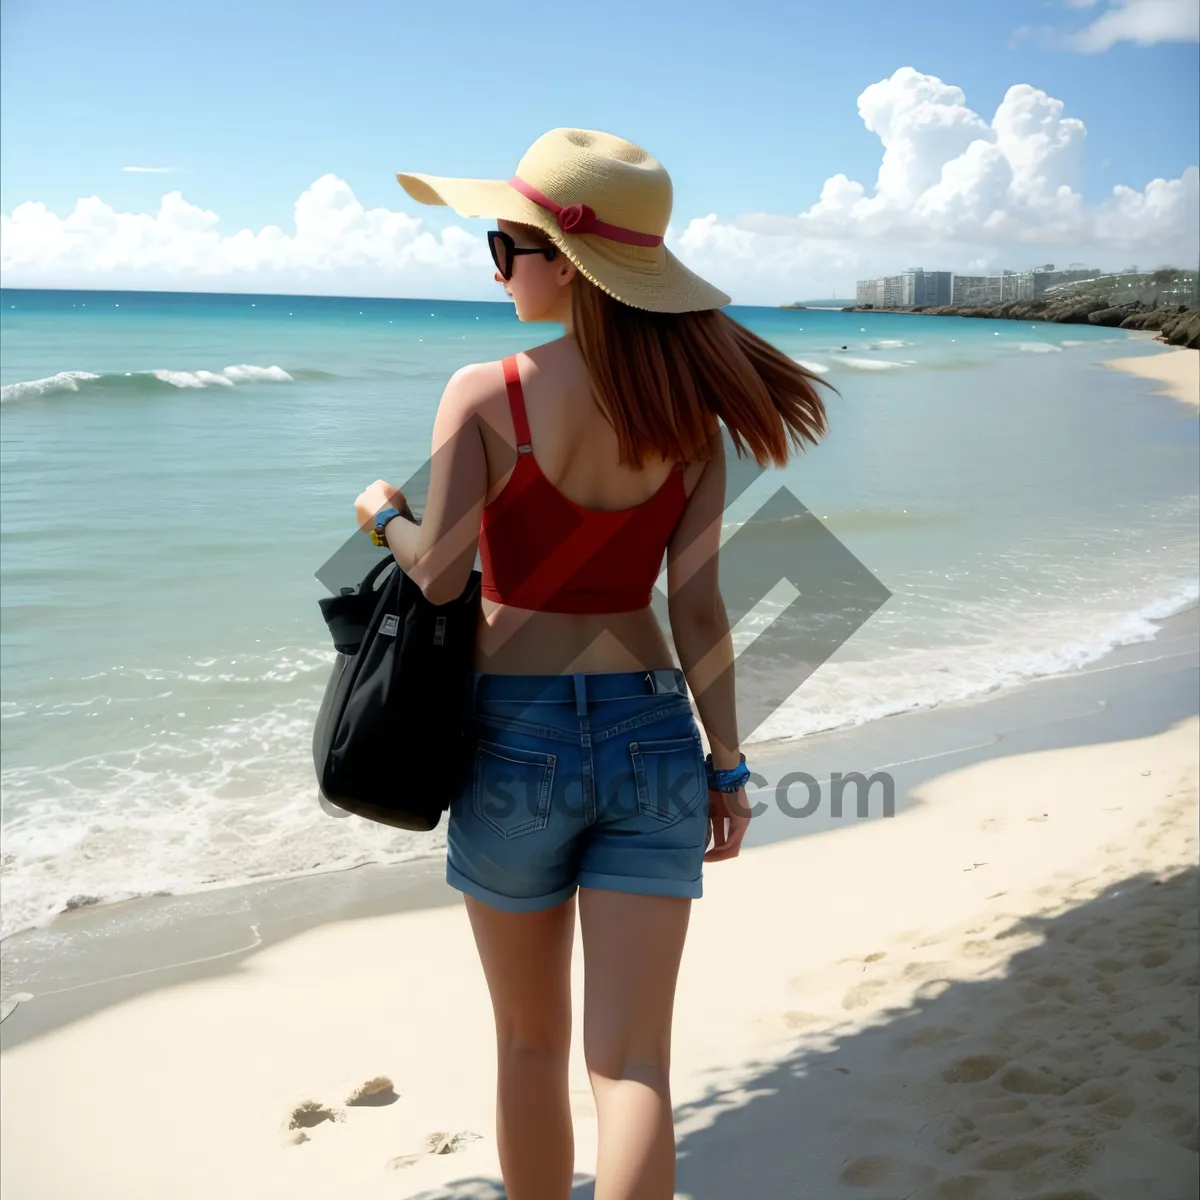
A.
x: 699, y: 624
x: 438, y: 554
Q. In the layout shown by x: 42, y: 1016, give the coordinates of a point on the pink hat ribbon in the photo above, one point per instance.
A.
x: 579, y: 218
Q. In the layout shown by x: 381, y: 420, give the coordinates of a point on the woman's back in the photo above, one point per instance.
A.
x: 574, y: 444
x: 572, y: 539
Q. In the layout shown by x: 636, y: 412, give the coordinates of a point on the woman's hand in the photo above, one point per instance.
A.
x: 729, y: 818
x: 378, y: 496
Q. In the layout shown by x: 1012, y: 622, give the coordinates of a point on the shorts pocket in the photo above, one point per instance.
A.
x: 669, y: 774
x: 512, y: 788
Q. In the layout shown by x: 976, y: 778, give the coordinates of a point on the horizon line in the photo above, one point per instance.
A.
x: 330, y: 296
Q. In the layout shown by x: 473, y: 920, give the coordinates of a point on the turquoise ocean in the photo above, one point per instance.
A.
x: 175, y: 468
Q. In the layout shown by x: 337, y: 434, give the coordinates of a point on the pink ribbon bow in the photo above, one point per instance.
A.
x: 580, y: 219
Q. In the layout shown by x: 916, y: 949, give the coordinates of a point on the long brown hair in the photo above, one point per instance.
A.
x: 658, y: 378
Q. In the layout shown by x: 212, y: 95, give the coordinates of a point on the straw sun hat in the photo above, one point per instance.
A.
x: 602, y: 201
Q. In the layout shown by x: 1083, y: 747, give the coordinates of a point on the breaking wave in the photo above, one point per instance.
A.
x: 148, y: 381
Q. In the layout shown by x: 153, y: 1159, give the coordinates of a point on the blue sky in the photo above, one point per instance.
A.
x: 751, y: 106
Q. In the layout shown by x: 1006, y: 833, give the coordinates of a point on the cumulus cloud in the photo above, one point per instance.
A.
x: 953, y: 191
x: 336, y: 244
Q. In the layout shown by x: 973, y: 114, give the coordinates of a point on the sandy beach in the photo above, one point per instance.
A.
x: 1177, y: 370
x: 990, y: 994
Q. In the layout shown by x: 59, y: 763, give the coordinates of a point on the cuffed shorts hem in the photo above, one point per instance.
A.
x: 686, y: 889
x: 512, y: 904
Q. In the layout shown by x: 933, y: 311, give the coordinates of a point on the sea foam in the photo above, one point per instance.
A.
x: 873, y: 364
x: 64, y: 381
x: 76, y: 381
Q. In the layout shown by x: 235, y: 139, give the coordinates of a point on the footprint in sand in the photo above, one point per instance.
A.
x: 925, y: 970
x: 1013, y: 1125
x: 947, y: 1133
x: 860, y: 995
x: 960, y: 1187
x: 931, y: 1037
x: 878, y: 1168
x: 310, y: 1113
x: 979, y: 949
x: 373, y: 1094
x: 796, y: 1019
x: 974, y: 1069
x: 1148, y: 1039
x: 1041, y: 1082
x: 436, y: 1143
x: 1012, y: 1158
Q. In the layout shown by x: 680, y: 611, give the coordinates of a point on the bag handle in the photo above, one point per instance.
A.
x: 347, y: 615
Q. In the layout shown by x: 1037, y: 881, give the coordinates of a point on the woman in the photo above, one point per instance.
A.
x: 572, y: 469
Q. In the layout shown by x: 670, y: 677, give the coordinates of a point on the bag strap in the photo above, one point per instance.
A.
x: 368, y: 583
x: 516, y: 404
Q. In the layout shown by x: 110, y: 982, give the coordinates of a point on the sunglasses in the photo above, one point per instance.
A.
x: 505, y: 250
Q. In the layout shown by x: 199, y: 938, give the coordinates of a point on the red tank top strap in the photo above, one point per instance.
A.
x: 516, y: 403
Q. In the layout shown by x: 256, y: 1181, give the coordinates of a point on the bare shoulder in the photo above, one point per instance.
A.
x: 475, y: 385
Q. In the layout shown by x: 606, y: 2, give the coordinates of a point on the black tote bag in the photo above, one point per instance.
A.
x: 389, y: 742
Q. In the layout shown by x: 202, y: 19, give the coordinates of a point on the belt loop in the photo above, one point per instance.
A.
x: 580, y: 694
x: 651, y: 683
x: 474, y: 688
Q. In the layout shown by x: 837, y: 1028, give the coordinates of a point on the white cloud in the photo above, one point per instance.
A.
x: 1144, y: 22
x: 337, y: 246
x: 953, y: 189
x: 150, y: 170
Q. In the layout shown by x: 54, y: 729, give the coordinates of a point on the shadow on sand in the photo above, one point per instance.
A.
x: 1070, y: 1074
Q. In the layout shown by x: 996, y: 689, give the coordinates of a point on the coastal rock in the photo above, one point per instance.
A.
x: 1153, y: 319
x: 1183, y: 329
x: 1179, y: 325
x: 1077, y: 312
x: 1115, y: 315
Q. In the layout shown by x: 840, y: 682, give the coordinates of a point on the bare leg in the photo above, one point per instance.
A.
x: 632, y: 946
x: 527, y: 961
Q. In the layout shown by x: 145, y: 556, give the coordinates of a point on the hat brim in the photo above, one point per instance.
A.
x: 657, y: 282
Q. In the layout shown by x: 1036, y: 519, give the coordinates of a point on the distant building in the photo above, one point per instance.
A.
x: 869, y: 292
x: 893, y: 291
x: 906, y: 290
x: 1016, y: 285
x: 1046, y: 278
x: 977, y: 289
x: 926, y: 288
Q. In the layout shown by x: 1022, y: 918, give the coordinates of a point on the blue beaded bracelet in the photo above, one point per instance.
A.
x: 730, y: 780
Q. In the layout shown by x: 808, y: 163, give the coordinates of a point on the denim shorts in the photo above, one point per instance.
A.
x: 585, y: 780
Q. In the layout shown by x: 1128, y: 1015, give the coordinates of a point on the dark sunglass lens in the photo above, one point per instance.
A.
x: 499, y: 246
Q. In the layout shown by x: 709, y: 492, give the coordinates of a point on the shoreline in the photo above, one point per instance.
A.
x: 90, y: 959
x: 92, y: 912
x: 1175, y: 325
x: 996, y: 985
x: 1177, y: 369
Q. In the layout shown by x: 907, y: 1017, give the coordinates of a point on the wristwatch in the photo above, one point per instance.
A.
x: 382, y: 517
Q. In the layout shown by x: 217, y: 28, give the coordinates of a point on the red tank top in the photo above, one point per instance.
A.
x: 540, y: 550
